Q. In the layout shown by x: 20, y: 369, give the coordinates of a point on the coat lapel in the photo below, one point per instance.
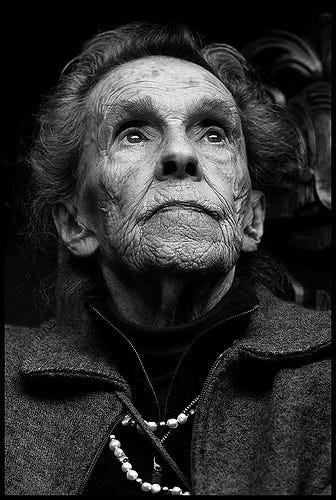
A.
x: 74, y: 353
x: 284, y: 330
x: 69, y: 406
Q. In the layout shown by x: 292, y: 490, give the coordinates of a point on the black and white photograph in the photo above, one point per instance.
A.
x: 167, y: 249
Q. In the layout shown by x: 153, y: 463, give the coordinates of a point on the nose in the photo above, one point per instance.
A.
x: 179, y: 160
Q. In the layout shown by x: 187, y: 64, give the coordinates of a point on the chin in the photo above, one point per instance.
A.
x: 190, y: 260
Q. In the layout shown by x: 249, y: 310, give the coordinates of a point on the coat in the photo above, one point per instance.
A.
x: 262, y: 425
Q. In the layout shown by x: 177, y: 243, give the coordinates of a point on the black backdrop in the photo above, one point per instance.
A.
x: 40, y: 40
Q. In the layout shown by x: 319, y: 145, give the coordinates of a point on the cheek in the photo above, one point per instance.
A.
x: 239, y: 179
x: 227, y: 174
x: 125, y: 180
x: 223, y: 171
x: 242, y: 189
x: 112, y: 195
x: 101, y: 185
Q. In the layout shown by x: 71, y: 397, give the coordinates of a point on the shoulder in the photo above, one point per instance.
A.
x: 18, y: 343
x: 283, y: 333
x: 18, y: 338
x: 292, y: 324
x: 273, y: 306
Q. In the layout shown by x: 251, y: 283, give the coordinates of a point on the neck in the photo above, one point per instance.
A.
x: 164, y: 299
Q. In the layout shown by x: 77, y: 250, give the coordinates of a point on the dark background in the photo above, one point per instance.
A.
x: 39, y: 41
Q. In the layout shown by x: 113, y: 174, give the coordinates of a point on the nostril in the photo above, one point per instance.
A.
x: 191, y: 169
x: 178, y: 168
x: 169, y: 168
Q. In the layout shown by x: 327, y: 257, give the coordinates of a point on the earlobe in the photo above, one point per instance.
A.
x: 80, y: 240
x: 254, y: 227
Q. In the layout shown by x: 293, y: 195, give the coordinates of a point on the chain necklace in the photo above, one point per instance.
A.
x: 156, y: 479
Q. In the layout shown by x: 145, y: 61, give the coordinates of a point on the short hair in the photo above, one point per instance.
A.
x: 271, y: 142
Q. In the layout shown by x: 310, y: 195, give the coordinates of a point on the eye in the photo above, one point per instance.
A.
x: 131, y: 131
x: 214, y: 135
x: 212, y: 131
x: 134, y: 137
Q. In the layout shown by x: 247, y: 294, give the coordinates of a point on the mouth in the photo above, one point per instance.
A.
x: 186, y: 205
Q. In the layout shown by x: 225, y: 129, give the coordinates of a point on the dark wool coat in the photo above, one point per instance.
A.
x: 262, y: 425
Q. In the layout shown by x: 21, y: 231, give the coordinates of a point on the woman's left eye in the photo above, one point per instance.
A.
x: 134, y: 137
x: 214, y: 136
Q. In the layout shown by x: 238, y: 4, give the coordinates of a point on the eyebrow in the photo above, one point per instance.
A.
x: 144, y: 109
x: 213, y: 108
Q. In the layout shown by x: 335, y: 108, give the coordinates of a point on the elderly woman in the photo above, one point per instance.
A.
x: 167, y: 369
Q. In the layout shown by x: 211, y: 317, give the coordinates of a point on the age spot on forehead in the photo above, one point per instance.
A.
x: 194, y: 82
x: 151, y: 72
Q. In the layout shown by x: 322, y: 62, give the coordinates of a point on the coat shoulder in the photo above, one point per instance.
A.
x: 281, y: 331
x: 18, y: 339
x: 289, y: 328
x: 271, y: 305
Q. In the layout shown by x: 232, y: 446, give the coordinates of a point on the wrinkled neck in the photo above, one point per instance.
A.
x: 164, y: 299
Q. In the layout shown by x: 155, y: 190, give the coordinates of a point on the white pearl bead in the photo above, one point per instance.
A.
x: 176, y: 491
x: 118, y: 452
x: 126, y: 420
x: 146, y: 487
x: 186, y: 493
x: 172, y: 423
x: 182, y: 418
x: 126, y: 466
x: 156, y: 488
x: 114, y: 443
x: 132, y: 475
x: 152, y: 426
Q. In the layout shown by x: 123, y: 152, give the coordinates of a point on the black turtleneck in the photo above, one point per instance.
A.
x: 161, y: 348
x: 177, y: 360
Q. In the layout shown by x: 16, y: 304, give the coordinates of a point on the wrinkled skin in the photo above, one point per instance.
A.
x: 165, y: 191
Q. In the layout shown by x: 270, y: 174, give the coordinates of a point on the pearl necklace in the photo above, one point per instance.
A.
x: 132, y: 475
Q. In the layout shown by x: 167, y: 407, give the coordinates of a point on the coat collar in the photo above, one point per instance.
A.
x: 71, y: 352
x: 277, y: 330
x: 283, y: 329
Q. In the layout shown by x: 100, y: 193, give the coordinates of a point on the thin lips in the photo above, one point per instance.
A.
x: 186, y: 204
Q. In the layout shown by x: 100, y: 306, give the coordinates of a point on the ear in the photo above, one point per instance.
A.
x: 254, y: 221
x: 76, y: 236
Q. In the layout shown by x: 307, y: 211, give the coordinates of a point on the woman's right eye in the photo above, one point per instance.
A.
x: 132, y: 132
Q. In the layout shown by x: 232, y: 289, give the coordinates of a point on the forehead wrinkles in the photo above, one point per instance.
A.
x: 165, y: 98
x: 128, y: 82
